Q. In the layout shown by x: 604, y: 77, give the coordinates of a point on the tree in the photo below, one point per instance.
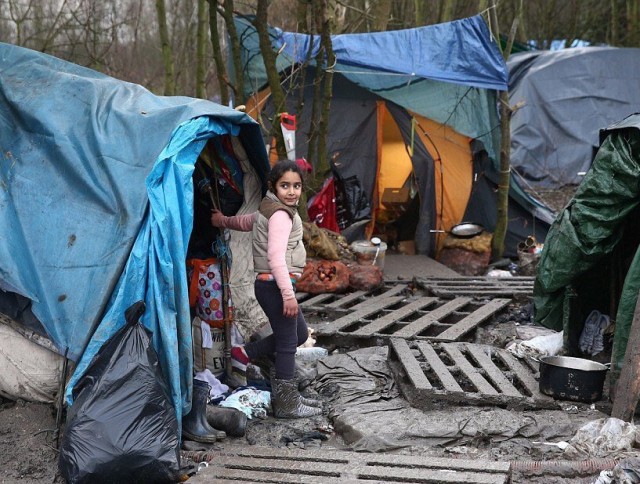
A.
x: 502, y: 219
x: 201, y: 50
x: 216, y: 44
x: 167, y: 51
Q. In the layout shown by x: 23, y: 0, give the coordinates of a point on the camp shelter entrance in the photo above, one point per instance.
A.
x: 96, y: 205
x: 591, y: 259
x: 445, y: 119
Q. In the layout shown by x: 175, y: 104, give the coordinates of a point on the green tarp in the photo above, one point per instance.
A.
x: 593, y: 242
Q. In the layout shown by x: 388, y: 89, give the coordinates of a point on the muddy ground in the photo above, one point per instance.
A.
x: 27, y: 430
x: 28, y: 455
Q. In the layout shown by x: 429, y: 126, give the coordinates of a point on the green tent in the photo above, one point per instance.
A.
x: 591, y: 258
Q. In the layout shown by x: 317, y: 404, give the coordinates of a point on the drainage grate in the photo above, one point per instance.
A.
x: 396, y: 312
x: 464, y: 372
x: 262, y: 464
x: 478, y: 286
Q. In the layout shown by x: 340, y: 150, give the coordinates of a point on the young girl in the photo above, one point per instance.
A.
x: 279, y: 258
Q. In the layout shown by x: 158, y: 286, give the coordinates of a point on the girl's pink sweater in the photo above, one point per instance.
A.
x: 280, y: 225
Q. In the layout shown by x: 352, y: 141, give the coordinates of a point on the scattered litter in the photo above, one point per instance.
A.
x: 217, y: 388
x: 603, y: 437
x: 252, y: 402
x: 461, y: 450
x: 311, y: 354
x: 548, y: 345
x: 562, y: 445
x: 627, y: 471
x: 499, y: 273
x: 570, y: 408
x: 311, y: 341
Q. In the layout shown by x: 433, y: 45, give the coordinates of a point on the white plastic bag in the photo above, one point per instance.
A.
x: 603, y: 437
x: 547, y: 345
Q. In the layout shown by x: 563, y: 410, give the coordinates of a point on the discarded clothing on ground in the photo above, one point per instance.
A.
x: 216, y: 387
x: 252, y: 402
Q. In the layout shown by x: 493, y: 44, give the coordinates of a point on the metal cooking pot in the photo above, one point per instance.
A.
x: 567, y: 378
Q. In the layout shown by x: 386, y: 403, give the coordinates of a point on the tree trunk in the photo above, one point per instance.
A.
x: 380, y: 13
x: 167, y: 54
x: 502, y: 220
x: 322, y: 168
x: 221, y: 71
x: 302, y: 10
x: 273, y: 77
x: 421, y: 12
x: 448, y: 9
x: 615, y: 38
x: 236, y: 56
x: 201, y: 50
x: 633, y: 24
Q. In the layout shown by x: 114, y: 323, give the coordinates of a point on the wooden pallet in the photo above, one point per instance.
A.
x: 398, y: 312
x: 263, y: 464
x: 478, y: 286
x: 464, y: 372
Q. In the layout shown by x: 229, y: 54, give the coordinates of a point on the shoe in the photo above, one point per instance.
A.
x: 239, y: 362
x: 589, y: 331
x: 233, y: 422
x: 598, y: 339
x: 194, y: 425
x: 286, y: 401
x: 311, y: 402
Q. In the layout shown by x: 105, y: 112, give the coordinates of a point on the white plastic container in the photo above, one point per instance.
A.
x: 367, y: 253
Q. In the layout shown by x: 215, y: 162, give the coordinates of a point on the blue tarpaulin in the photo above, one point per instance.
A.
x: 96, y: 203
x: 460, y: 52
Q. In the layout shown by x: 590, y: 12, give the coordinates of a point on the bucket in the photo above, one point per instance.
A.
x: 367, y: 253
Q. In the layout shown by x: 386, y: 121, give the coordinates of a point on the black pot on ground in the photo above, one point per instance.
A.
x: 576, y: 379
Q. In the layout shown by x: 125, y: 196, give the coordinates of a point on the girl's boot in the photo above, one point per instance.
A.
x: 286, y: 400
x: 310, y: 402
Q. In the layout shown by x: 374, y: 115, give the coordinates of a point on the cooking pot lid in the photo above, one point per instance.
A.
x: 573, y: 363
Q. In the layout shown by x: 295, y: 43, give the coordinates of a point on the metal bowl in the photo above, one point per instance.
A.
x: 466, y: 230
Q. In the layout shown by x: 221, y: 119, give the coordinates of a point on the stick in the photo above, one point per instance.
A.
x: 628, y: 385
x: 224, y: 274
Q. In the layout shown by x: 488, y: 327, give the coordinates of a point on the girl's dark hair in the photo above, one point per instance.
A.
x: 279, y: 169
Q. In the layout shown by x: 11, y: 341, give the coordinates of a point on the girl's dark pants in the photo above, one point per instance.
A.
x: 288, y: 333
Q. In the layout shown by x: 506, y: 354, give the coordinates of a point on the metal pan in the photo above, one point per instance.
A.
x: 567, y: 378
x: 466, y: 230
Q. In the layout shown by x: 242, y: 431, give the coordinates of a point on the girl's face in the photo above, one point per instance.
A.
x: 289, y: 188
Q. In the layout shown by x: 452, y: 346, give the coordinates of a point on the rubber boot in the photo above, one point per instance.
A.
x: 286, y: 400
x: 194, y: 425
x: 233, y: 422
x: 311, y: 402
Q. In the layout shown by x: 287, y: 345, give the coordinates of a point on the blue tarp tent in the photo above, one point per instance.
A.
x: 96, y: 203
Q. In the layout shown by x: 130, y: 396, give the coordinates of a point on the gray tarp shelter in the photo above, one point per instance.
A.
x: 564, y: 98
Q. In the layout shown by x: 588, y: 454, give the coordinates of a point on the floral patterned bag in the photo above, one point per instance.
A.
x: 205, y: 291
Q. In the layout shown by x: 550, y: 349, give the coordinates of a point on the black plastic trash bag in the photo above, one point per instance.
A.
x: 122, y: 427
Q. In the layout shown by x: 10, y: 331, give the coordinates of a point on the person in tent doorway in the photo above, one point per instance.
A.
x: 279, y: 258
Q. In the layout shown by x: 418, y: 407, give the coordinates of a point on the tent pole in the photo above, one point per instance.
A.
x: 224, y: 272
